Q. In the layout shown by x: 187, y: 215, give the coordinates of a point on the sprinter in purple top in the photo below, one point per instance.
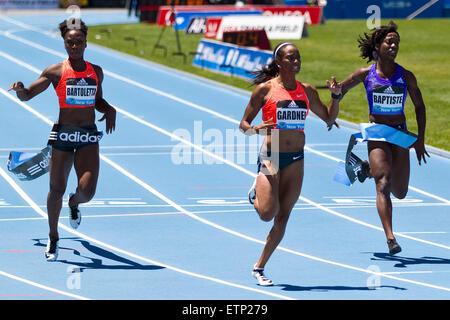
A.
x: 386, y: 96
x: 386, y: 85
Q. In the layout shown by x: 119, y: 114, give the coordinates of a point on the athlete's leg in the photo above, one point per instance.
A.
x: 380, y: 158
x: 267, y: 186
x: 400, y: 171
x: 86, y: 164
x: 290, y: 186
x: 60, y: 165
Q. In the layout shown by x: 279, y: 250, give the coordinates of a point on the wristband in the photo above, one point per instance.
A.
x: 336, y: 96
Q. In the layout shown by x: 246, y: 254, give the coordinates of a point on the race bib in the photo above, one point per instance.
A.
x: 291, y: 114
x: 81, y: 91
x: 387, y: 99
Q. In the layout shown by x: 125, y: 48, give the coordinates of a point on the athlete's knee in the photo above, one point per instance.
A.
x: 384, y: 184
x: 56, y: 192
x: 267, y: 214
x: 86, y: 193
x: 400, y: 193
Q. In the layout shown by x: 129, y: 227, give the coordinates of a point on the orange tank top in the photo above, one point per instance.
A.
x: 77, y: 89
x: 288, y: 109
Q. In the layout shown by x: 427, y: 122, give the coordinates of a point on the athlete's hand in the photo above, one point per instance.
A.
x: 419, y: 146
x: 335, y: 87
x: 265, y: 127
x: 330, y: 125
x: 110, y: 116
x: 17, y: 86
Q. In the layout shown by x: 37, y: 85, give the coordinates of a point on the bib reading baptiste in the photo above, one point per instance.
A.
x: 386, y: 96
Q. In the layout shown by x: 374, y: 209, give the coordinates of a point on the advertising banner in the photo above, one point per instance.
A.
x: 182, y: 18
x: 230, y: 59
x: 212, y: 27
x: 312, y: 14
x: 276, y: 27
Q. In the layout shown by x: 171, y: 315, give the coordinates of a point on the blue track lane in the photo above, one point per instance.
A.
x: 186, y: 231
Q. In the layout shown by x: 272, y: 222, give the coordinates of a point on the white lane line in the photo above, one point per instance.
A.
x: 188, y: 103
x: 230, y: 163
x: 41, y: 286
x: 36, y: 208
x: 214, y: 225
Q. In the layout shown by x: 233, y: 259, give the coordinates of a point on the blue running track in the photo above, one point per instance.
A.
x: 171, y: 220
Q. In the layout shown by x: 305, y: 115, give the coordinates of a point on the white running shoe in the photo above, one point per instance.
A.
x: 258, y: 274
x: 75, y: 214
x: 51, y: 253
x: 252, y: 192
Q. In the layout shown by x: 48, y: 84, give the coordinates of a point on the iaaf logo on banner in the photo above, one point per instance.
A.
x: 276, y: 27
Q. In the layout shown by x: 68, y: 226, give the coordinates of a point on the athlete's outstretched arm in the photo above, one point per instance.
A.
x: 329, y: 114
x: 38, y: 86
x: 101, y: 105
x: 358, y: 76
x: 419, y: 105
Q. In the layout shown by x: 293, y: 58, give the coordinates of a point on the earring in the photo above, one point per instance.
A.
x: 374, y: 54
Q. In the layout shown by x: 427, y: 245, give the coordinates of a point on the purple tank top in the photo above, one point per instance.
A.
x: 386, y: 96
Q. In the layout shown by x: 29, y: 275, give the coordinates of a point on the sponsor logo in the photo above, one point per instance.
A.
x: 78, y: 137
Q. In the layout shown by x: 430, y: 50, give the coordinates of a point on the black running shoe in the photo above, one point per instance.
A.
x: 393, y: 246
x: 75, y: 215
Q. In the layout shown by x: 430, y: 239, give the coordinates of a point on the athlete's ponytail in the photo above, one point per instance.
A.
x: 368, y: 42
x: 265, y: 74
x: 270, y: 70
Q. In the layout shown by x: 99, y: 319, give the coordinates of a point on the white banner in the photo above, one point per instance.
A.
x: 277, y: 27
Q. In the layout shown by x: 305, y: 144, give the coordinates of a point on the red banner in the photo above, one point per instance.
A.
x: 312, y: 14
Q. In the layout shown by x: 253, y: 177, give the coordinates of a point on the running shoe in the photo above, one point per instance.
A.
x: 75, y: 215
x: 51, y: 253
x: 393, y: 246
x: 362, y: 167
x: 252, y: 193
x: 258, y: 274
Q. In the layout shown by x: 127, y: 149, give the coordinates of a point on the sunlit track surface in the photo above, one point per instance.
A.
x: 185, y: 230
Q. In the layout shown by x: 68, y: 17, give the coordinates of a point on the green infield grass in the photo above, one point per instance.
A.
x: 329, y: 50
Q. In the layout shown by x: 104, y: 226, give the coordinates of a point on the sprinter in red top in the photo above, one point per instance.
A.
x: 285, y: 103
x: 74, y: 138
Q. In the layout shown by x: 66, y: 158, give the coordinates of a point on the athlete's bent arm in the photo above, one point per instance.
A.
x: 419, y: 105
x: 101, y: 105
x: 253, y: 107
x: 329, y: 114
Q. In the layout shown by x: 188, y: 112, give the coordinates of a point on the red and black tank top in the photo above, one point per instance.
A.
x: 77, y: 89
x: 288, y: 109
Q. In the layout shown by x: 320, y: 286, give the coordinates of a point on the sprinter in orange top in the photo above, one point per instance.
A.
x: 285, y: 104
x: 74, y: 138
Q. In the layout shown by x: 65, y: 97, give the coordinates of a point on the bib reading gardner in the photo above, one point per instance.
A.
x: 288, y: 109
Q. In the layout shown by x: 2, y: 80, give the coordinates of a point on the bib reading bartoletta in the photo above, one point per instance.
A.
x: 77, y: 89
x: 288, y: 109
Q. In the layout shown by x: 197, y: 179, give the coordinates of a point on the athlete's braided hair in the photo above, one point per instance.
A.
x: 72, y: 24
x: 270, y: 70
x: 369, y: 41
